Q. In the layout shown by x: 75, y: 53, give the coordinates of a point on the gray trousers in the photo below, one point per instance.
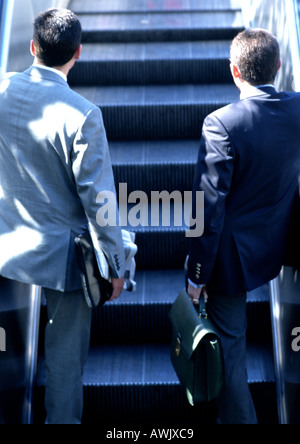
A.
x: 67, y: 340
x: 235, y: 404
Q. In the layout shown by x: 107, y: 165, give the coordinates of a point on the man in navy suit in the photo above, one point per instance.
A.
x: 248, y: 168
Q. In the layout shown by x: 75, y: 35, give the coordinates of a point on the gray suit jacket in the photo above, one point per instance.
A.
x: 54, y: 162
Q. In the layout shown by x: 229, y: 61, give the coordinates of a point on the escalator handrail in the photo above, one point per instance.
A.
x: 292, y: 16
x: 6, y: 14
x: 274, y: 290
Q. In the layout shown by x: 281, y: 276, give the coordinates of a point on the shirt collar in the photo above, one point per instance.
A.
x: 56, y: 71
x: 250, y: 90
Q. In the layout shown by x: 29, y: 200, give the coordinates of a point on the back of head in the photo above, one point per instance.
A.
x: 256, y: 54
x: 57, y: 36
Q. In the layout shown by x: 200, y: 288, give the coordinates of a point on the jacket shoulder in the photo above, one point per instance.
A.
x: 229, y: 112
x: 238, y: 112
x: 83, y: 104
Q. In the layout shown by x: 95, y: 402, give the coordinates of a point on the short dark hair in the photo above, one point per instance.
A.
x: 57, y: 36
x: 256, y: 54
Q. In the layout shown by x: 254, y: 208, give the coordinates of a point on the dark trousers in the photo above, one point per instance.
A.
x: 235, y: 403
x: 67, y: 339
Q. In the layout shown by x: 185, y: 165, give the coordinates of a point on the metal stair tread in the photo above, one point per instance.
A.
x: 151, y: 289
x: 151, y: 365
x: 121, y: 52
x: 145, y: 226
x: 161, y: 153
x: 169, y: 112
x: 142, y: 317
x: 160, y: 95
x: 153, y: 63
x: 162, y: 21
x: 126, y: 6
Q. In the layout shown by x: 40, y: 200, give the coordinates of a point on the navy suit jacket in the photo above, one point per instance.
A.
x: 248, y: 168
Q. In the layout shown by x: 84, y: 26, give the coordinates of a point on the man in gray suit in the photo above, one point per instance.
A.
x: 54, y: 170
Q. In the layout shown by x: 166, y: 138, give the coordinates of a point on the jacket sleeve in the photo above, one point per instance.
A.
x: 95, y: 186
x: 213, y: 176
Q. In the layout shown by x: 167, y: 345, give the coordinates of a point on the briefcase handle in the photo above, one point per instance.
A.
x: 202, y: 304
x: 202, y: 307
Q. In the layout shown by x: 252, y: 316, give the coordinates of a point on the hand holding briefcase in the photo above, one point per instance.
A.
x: 94, y: 269
x: 96, y: 289
x: 196, y: 351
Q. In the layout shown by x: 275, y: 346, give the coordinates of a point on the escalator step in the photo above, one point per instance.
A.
x: 142, y: 317
x: 153, y: 63
x: 156, y: 165
x: 160, y: 27
x: 158, y: 112
x: 138, y: 382
x: 127, y: 6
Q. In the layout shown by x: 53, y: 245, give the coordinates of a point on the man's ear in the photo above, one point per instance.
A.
x: 32, y: 48
x: 78, y: 53
x: 235, y: 72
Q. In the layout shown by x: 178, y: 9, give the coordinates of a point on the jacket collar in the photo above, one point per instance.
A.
x: 43, y: 74
x: 257, y: 91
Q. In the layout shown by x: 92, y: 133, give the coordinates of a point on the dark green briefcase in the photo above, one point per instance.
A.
x: 196, y: 351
